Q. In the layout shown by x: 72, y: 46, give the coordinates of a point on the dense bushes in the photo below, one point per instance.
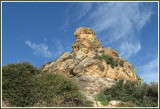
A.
x: 24, y: 85
x: 16, y: 83
x: 110, y: 60
x: 56, y: 90
x: 142, y: 95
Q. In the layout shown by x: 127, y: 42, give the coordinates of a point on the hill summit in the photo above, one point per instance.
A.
x: 92, y: 65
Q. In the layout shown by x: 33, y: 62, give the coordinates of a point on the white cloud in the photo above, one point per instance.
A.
x: 120, y: 15
x: 43, y: 50
x: 149, y: 71
x: 39, y: 49
x: 114, y: 22
x: 119, y: 22
x: 128, y: 49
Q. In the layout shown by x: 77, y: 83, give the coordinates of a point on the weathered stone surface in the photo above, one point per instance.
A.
x: 92, y: 73
x: 114, y: 102
x: 61, y: 64
x: 80, y: 68
x: 97, y: 104
x: 90, y: 86
x: 85, y: 38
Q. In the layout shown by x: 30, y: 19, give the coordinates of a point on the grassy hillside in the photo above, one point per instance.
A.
x: 24, y: 86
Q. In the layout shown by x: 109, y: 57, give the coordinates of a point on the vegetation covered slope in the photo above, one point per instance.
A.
x: 132, y: 94
x: 23, y: 85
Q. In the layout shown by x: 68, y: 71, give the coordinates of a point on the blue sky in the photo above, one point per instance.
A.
x: 39, y: 32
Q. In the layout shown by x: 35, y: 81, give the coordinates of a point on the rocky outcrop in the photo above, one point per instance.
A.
x: 90, y: 86
x: 92, y: 64
x: 85, y: 40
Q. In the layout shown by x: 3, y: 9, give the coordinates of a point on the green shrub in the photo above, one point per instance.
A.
x: 100, y: 66
x: 121, y: 63
x: 104, y: 103
x: 125, y: 60
x: 102, y: 99
x: 16, y: 83
x: 94, y: 41
x: 143, y: 95
x: 135, y: 70
x: 140, y: 80
x: 24, y: 85
x: 54, y: 87
x: 110, y: 60
x: 90, y: 29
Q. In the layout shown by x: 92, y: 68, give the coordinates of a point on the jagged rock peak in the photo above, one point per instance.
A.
x: 85, y: 40
x: 83, y: 30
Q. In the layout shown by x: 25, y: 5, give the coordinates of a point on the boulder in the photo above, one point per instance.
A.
x: 114, y: 102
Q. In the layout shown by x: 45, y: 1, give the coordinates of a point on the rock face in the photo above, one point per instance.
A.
x: 85, y: 40
x: 90, y: 86
x: 92, y: 64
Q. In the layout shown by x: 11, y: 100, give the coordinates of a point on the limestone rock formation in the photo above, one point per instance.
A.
x: 89, y: 62
x: 85, y: 40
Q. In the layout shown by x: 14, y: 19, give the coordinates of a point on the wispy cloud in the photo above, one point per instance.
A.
x: 149, y: 71
x: 83, y: 9
x: 129, y: 49
x: 114, y: 22
x: 120, y: 16
x: 39, y: 49
x: 44, y: 51
x: 72, y: 17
